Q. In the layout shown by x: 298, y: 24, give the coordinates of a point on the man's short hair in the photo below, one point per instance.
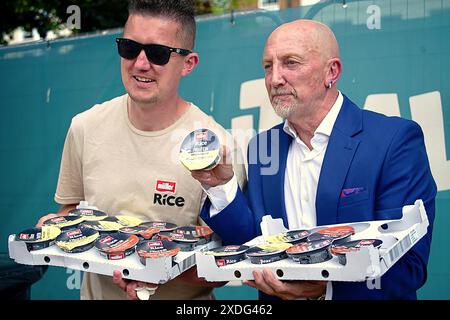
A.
x: 181, y: 11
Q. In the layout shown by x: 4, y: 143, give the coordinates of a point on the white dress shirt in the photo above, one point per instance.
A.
x: 301, y: 176
x: 303, y: 171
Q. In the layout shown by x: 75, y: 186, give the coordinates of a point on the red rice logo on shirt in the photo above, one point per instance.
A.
x: 166, y: 199
x: 165, y: 186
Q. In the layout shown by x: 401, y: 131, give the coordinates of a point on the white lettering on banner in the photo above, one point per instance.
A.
x: 426, y: 110
x: 385, y: 103
x: 253, y: 94
x: 74, y: 280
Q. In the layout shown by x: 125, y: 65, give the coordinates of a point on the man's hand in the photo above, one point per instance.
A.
x: 46, y: 217
x: 220, y: 174
x: 129, y: 286
x: 63, y: 211
x: 268, y: 283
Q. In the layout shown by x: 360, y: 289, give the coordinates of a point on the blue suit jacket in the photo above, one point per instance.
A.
x: 383, y: 155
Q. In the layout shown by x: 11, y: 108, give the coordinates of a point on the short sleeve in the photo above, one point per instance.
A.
x: 69, y: 189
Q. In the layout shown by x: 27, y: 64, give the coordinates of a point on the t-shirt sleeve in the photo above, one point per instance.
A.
x: 70, y: 181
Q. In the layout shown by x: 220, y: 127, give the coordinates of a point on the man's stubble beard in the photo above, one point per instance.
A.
x: 145, y: 101
x: 282, y: 110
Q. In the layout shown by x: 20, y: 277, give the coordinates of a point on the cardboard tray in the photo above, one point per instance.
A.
x: 369, y: 263
x: 157, y: 271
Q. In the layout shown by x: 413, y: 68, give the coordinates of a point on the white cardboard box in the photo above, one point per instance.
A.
x: 158, y: 270
x: 369, y: 263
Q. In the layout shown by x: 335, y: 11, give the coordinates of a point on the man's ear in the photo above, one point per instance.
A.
x: 333, y: 70
x: 190, y: 61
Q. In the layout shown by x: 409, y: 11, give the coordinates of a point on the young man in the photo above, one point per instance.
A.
x: 337, y: 164
x: 117, y: 154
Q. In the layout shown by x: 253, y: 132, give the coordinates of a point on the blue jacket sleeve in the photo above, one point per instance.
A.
x: 239, y: 222
x: 235, y: 223
x: 406, y: 177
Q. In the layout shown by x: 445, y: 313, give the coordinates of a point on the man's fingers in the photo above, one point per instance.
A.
x: 130, y: 286
x: 324, y: 283
x: 201, y: 175
x: 131, y: 292
x: 274, y: 283
x: 225, y: 155
x: 261, y: 283
x: 40, y: 223
x: 44, y: 218
x: 117, y: 279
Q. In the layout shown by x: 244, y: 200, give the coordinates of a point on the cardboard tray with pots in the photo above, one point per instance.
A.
x: 369, y: 262
x: 156, y: 270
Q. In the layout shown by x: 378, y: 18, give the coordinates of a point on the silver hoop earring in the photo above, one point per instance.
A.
x: 330, y: 84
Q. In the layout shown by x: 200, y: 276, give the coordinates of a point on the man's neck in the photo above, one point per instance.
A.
x: 157, y: 116
x: 306, y: 124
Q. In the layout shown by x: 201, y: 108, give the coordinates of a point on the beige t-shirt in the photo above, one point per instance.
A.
x: 125, y: 171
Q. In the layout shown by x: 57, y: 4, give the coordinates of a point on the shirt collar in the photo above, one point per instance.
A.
x: 326, y: 126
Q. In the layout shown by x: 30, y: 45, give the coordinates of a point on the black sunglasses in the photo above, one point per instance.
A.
x: 156, y: 53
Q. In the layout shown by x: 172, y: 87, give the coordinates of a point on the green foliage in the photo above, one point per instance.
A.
x: 46, y: 15
x: 51, y: 14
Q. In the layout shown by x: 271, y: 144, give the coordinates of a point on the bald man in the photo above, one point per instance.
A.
x: 335, y: 163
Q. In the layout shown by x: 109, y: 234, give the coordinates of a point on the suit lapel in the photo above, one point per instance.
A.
x: 338, y: 157
x: 273, y: 184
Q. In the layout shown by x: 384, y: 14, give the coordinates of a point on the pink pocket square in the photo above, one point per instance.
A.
x: 351, y: 191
